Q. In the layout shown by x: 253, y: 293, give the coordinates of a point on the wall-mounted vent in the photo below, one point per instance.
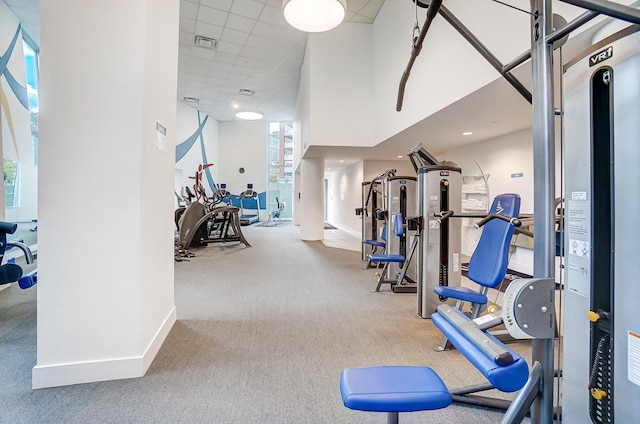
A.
x: 205, y: 42
x: 246, y: 92
x: 190, y: 99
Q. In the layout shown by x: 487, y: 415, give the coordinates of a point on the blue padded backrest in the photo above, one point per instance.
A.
x: 383, y: 236
x: 488, y: 263
x: 398, y: 228
x: 508, y: 378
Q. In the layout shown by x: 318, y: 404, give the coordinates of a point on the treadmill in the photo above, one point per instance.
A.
x: 249, y: 200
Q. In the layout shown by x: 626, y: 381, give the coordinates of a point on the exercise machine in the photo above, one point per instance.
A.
x: 10, y: 272
x: 249, y: 200
x: 395, y: 389
x: 488, y: 263
x: 398, y: 271
x: 602, y: 329
x: 372, y: 227
x: 206, y: 220
x: 545, y: 37
x: 439, y: 190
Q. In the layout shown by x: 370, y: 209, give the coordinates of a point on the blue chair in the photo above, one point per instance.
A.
x: 488, y: 263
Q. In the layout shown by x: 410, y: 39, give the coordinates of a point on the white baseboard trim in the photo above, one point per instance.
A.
x: 157, y: 341
x: 104, y: 370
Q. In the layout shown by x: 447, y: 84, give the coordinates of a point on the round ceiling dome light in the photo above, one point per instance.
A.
x: 249, y: 114
x: 314, y: 15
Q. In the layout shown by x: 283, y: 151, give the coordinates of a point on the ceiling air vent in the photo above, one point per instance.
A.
x: 246, y: 92
x: 205, y: 42
x: 190, y: 99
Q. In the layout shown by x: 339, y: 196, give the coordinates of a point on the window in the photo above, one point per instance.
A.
x: 280, y: 167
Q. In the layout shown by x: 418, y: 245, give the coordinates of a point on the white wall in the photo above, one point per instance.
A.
x: 345, y: 190
x: 106, y: 316
x: 243, y: 144
x: 373, y: 168
x: 187, y: 123
x: 344, y: 196
x: 501, y: 158
x: 340, y: 86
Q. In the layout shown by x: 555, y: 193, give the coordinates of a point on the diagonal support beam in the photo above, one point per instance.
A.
x: 609, y: 8
x: 482, y: 49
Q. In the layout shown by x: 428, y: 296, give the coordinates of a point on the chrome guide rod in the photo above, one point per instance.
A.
x: 544, y: 187
x: 482, y: 49
x: 432, y: 11
x: 609, y: 8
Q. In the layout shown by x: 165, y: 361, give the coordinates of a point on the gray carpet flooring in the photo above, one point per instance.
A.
x: 262, y: 336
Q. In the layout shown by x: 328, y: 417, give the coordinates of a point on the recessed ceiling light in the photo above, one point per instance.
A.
x: 328, y: 169
x: 399, y: 156
x: 467, y: 133
x: 341, y: 161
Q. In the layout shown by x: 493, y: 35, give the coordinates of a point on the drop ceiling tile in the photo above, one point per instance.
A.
x: 224, y: 60
x: 265, y: 30
x: 226, y: 47
x: 356, y: 5
x: 213, y: 16
x: 233, y: 36
x: 218, y: 4
x: 252, y: 52
x: 247, y: 8
x: 248, y: 62
x: 202, y: 53
x: 240, y: 23
x: 208, y: 30
x: 185, y: 38
x: 187, y: 25
x: 370, y: 10
x: 274, y: 16
x: 188, y: 9
x: 258, y: 42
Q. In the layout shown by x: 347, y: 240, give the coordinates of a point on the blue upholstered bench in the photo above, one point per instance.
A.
x: 395, y: 389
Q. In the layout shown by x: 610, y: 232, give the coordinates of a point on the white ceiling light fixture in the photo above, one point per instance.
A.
x: 249, y: 114
x: 314, y: 15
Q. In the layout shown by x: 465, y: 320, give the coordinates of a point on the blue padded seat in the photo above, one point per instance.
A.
x: 398, y: 229
x: 393, y: 389
x: 377, y: 243
x: 383, y: 257
x: 461, y: 293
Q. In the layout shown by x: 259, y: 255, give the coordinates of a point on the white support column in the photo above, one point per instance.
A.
x: 105, y: 230
x: 311, y: 212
